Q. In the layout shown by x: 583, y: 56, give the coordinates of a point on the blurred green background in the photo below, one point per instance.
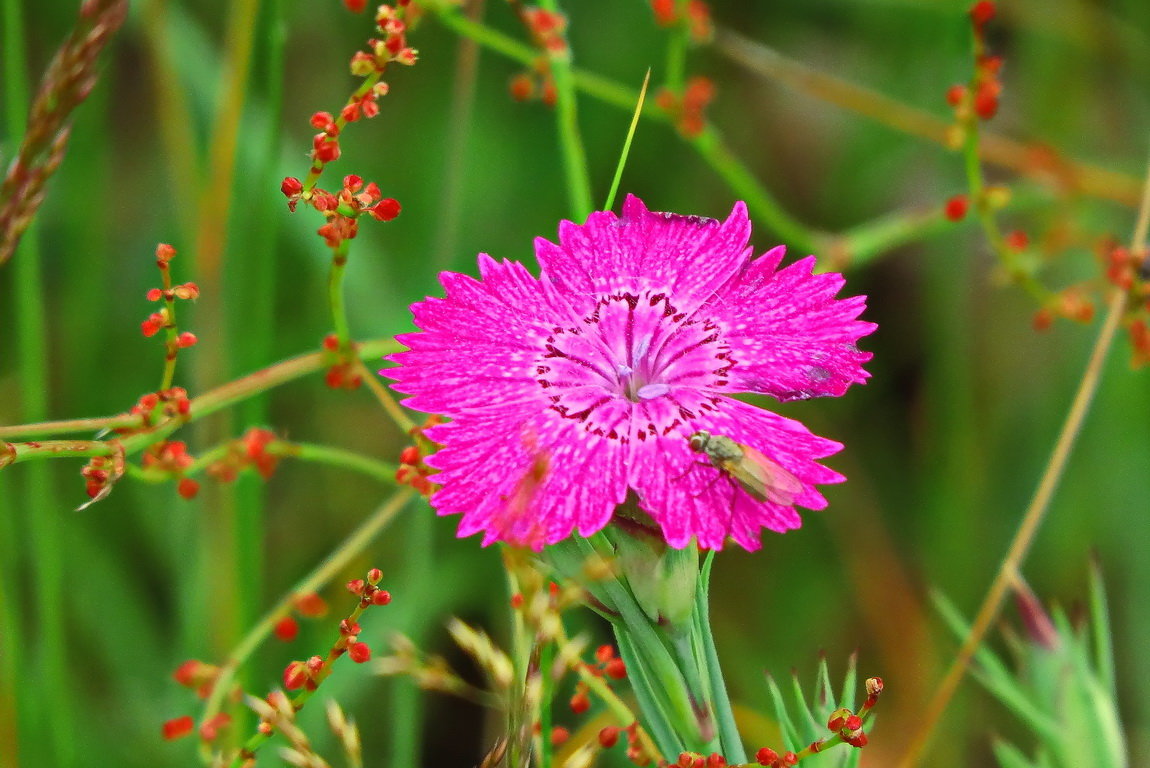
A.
x: 944, y: 445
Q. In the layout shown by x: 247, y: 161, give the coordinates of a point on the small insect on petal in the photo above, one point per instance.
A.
x: 762, y: 478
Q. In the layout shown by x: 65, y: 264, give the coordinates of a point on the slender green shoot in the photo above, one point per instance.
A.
x: 627, y: 143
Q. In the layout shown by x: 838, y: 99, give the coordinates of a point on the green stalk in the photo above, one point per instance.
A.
x: 49, y: 678
x: 674, y: 77
x: 546, y: 661
x: 665, y: 682
x: 570, y: 140
x: 761, y: 203
x: 335, y: 294
x: 732, y: 743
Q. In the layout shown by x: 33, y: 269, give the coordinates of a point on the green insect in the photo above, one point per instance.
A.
x: 762, y: 478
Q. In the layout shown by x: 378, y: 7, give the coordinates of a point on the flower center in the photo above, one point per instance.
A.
x: 630, y: 352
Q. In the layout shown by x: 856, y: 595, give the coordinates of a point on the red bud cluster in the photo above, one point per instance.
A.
x: 689, y: 111
x: 769, y: 757
x: 250, y: 450
x: 696, y: 760
x: 198, y: 676
x: 697, y: 16
x: 548, y: 29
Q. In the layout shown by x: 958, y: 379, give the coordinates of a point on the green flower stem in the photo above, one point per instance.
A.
x: 210, y: 402
x: 762, y: 204
x: 732, y: 743
x: 547, y: 686
x: 339, y: 559
x: 677, y: 39
x: 567, y: 118
x: 656, y: 717
x: 335, y: 294
x: 664, y: 681
x: 171, y: 331
x: 122, y: 421
x: 309, y: 452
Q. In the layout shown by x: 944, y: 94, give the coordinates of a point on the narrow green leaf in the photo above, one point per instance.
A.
x: 627, y: 144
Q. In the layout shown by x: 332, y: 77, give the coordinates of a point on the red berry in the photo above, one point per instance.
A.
x: 359, y: 652
x: 386, y: 209
x: 311, y: 605
x: 955, y: 95
x: 956, y: 207
x: 1017, y: 240
x: 986, y: 102
x: 178, y: 727
x: 982, y: 12
x: 187, y: 488
x: 580, y: 703
x: 291, y: 186
x: 287, y: 629
x: 608, y: 737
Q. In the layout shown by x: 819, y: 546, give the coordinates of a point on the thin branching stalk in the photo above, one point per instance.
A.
x: 340, y: 557
x: 206, y: 404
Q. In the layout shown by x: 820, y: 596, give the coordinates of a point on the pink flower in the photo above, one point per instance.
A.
x: 569, y: 391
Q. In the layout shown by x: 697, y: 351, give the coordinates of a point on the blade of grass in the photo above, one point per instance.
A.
x: 627, y: 143
x: 41, y: 508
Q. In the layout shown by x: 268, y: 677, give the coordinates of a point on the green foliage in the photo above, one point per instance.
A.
x: 1060, y: 685
x: 802, y: 718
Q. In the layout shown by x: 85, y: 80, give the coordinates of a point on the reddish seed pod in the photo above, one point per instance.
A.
x: 291, y: 186
x: 580, y: 703
x: 187, y: 488
x: 296, y: 675
x: 185, y: 340
x: 956, y: 207
x: 955, y: 94
x: 355, y: 586
x: 616, y: 669
x: 189, y: 673
x: 559, y: 734
x: 982, y: 12
x: 311, y: 605
x: 386, y: 209
x: 380, y: 597
x: 1017, y: 240
x: 409, y: 455
x: 608, y: 737
x: 210, y: 729
x: 374, y: 576
x: 164, y: 253
x: 287, y: 629
x: 767, y: 756
x: 986, y: 102
x: 178, y: 727
x: 359, y: 652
